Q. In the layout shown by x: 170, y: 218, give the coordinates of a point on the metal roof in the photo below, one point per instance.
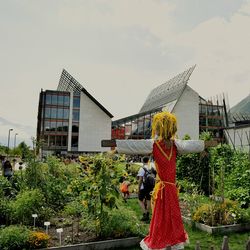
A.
x: 167, y: 92
x: 69, y: 83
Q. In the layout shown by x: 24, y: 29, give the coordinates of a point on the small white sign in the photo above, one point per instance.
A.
x: 46, y: 223
x: 59, y: 230
x: 34, y: 215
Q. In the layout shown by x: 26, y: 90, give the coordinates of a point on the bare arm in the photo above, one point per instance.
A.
x: 140, y: 183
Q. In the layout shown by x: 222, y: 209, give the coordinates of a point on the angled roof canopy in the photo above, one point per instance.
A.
x: 69, y: 83
x: 168, y: 92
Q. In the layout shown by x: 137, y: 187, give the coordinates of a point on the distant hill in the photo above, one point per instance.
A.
x: 243, y: 107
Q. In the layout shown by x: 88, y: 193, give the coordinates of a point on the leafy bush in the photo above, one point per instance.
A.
x: 215, y: 214
x: 6, y: 187
x: 5, y: 211
x: 119, y: 223
x: 38, y: 240
x: 26, y: 203
x: 14, y: 237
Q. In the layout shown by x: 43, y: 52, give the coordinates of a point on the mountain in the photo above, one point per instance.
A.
x: 25, y: 132
x: 243, y: 107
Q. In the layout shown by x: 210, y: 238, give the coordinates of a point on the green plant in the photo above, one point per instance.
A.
x: 100, y: 189
x: 14, y: 237
x: 26, y: 203
x: 217, y: 213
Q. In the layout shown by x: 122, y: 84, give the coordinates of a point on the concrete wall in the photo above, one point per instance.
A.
x: 187, y: 113
x: 94, y: 126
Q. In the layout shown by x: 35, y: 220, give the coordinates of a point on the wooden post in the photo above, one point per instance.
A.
x: 225, y: 245
x: 197, y: 247
x: 248, y: 244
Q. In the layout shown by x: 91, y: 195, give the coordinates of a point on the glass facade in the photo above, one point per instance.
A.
x: 54, y: 127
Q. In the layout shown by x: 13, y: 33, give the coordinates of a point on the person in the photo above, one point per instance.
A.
x: 166, y: 227
x: 124, y: 188
x: 144, y: 190
x: 7, y: 169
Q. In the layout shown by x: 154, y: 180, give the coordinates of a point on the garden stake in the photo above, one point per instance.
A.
x: 197, y: 245
x: 46, y: 224
x: 59, y: 231
x: 225, y: 245
x: 34, y: 216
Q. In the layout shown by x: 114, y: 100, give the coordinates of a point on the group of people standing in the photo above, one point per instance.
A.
x: 8, y: 168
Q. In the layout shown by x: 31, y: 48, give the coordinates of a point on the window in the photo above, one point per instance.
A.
x: 60, y: 100
x: 76, y: 115
x: 60, y: 113
x: 48, y: 99
x: 76, y: 102
x: 52, y: 126
x: 64, y: 141
x: 74, y: 141
x: 65, y: 126
x: 75, y: 128
x: 54, y: 100
x: 51, y: 140
x: 66, y: 100
x: 53, y: 113
x: 47, y: 125
x: 66, y: 114
x: 59, y: 126
x: 47, y: 112
x: 58, y: 141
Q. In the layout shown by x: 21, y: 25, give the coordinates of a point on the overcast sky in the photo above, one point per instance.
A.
x: 119, y: 50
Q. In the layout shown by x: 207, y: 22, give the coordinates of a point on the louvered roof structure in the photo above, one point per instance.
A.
x: 69, y: 83
x: 167, y: 94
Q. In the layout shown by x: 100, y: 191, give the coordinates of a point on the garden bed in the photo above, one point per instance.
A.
x: 218, y: 229
x: 108, y: 244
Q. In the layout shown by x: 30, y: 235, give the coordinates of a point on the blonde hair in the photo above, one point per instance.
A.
x: 164, y: 126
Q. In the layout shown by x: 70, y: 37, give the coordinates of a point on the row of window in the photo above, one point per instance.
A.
x: 59, y: 141
x: 61, y: 113
x: 62, y: 100
x: 60, y: 126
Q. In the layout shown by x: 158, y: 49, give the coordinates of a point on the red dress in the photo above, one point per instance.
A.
x: 166, y: 227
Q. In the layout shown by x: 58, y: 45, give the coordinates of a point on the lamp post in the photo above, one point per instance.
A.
x: 11, y: 129
x: 15, y: 140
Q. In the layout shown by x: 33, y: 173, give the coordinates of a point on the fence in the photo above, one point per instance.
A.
x: 225, y: 245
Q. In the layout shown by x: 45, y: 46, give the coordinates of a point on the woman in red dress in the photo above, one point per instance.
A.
x: 166, y: 227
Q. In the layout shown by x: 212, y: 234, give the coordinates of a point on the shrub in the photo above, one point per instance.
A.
x: 26, y: 203
x: 4, y: 211
x: 14, y: 237
x: 121, y: 223
x: 225, y: 213
x: 5, y: 187
x: 38, y: 240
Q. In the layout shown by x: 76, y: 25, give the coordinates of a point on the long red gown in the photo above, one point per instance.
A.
x: 166, y: 227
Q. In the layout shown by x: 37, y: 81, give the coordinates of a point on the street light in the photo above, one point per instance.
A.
x: 15, y: 140
x: 11, y: 129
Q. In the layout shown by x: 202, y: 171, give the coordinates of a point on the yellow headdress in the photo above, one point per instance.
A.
x: 164, y: 125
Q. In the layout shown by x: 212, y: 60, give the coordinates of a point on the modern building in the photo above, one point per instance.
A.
x: 238, y: 131
x: 71, y: 120
x: 194, y: 113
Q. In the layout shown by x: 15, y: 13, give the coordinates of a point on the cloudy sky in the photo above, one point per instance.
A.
x: 118, y: 50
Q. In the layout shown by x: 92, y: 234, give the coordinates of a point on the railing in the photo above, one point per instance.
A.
x: 225, y: 245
